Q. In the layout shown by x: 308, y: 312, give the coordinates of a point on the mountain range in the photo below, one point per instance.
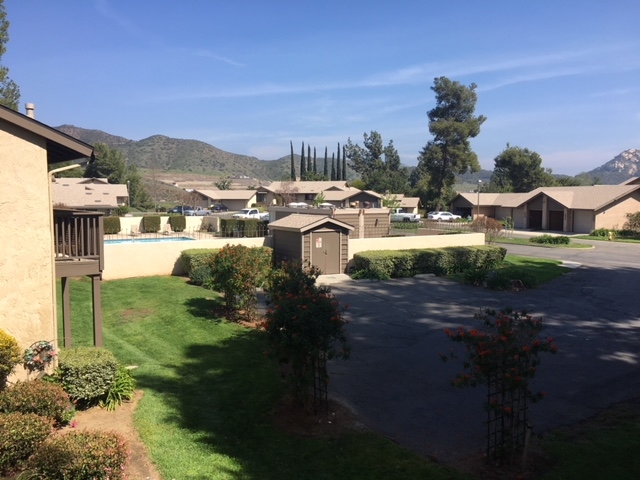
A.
x: 165, y: 154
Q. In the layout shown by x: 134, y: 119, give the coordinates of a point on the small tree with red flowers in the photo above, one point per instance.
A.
x: 503, y: 354
x: 305, y: 327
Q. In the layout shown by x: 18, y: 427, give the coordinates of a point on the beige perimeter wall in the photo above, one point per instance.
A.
x: 27, y: 302
x: 127, y: 260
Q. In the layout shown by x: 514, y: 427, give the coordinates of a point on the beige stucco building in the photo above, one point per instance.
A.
x: 27, y: 267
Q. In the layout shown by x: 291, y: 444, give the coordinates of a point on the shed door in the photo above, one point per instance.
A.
x: 325, y: 251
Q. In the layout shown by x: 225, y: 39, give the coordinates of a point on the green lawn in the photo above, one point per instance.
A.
x: 542, y: 269
x: 605, y: 239
x: 210, y: 391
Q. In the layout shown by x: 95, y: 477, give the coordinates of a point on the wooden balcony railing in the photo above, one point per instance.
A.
x: 78, y: 242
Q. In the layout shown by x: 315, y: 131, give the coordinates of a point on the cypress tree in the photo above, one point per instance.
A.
x: 303, y: 165
x: 344, y: 163
x: 309, y: 167
x: 315, y: 165
x: 325, y: 170
x: 333, y: 166
x: 293, y: 167
x: 339, y: 164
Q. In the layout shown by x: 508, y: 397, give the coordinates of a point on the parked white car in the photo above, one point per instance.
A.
x: 397, y: 215
x: 443, y: 216
x: 252, y: 213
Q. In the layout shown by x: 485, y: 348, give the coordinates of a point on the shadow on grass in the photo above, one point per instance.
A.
x: 209, y: 308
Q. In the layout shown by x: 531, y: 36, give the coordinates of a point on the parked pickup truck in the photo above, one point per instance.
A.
x: 397, y: 215
x: 252, y: 213
x: 197, y: 212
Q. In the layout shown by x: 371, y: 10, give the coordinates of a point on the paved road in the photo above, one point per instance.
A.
x: 397, y: 383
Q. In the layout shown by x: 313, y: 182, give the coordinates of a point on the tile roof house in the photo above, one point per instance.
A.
x: 89, y: 194
x: 28, y: 261
x: 564, y: 209
x: 288, y: 192
x: 233, y: 199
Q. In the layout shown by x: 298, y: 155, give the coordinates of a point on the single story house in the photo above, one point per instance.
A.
x: 352, y: 197
x: 563, y: 209
x: 95, y: 194
x: 233, y: 199
x: 285, y: 192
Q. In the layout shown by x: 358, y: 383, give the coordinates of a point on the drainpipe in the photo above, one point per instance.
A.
x: 53, y: 259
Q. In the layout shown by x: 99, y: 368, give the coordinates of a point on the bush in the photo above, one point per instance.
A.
x: 111, y: 225
x: 20, y: 436
x: 202, y: 276
x: 551, y: 240
x: 197, y: 257
x: 503, y: 279
x: 80, y: 456
x: 122, y: 210
x: 600, y: 232
x: 178, y: 223
x: 10, y: 356
x: 151, y: 224
x: 491, y: 228
x: 41, y: 398
x: 633, y: 223
x: 87, y: 373
x: 474, y: 276
x: 228, y: 226
x: 238, y: 271
x: 439, y: 261
x: 121, y: 390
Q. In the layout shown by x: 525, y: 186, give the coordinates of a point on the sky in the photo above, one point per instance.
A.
x: 561, y: 78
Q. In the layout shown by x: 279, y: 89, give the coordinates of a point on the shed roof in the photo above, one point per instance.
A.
x: 60, y: 146
x: 300, y: 222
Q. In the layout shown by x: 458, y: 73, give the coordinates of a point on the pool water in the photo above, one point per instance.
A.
x: 148, y: 240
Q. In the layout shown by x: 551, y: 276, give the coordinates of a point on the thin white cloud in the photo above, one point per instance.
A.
x: 214, y: 56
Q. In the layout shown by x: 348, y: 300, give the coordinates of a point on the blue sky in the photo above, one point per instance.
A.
x: 247, y: 76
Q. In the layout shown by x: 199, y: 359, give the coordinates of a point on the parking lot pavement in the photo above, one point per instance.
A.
x: 398, y: 385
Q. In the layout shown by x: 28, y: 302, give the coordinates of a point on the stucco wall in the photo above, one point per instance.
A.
x: 27, y: 302
x: 615, y: 216
x: 193, y: 223
x: 357, y: 245
x: 127, y: 260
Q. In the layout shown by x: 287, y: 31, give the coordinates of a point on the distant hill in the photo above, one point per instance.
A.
x: 621, y: 168
x: 164, y: 154
x: 190, y: 156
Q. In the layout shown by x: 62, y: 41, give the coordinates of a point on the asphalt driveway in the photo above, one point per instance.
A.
x: 398, y: 385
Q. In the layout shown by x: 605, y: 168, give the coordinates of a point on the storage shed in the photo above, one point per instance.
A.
x: 320, y: 240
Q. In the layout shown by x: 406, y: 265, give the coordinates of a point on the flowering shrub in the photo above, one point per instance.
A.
x: 39, y: 355
x: 80, y: 455
x: 238, y: 271
x: 304, y: 324
x: 503, y: 354
x: 9, y: 356
x: 20, y: 436
x: 39, y: 397
x: 507, y: 345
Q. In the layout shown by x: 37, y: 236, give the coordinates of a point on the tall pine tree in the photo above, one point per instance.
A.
x: 315, y: 165
x: 293, y: 166
x: 309, y: 166
x: 325, y: 170
x: 303, y: 165
x: 339, y: 163
x: 333, y: 166
x: 344, y: 163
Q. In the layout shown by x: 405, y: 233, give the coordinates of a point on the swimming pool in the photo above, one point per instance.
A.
x: 148, y: 240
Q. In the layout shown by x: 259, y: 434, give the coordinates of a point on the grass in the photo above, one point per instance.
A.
x: 543, y: 270
x: 605, y: 239
x: 210, y: 392
x: 603, y: 447
x: 525, y: 241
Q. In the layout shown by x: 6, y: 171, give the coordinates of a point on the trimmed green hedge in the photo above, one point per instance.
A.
x: 440, y: 261
x: 151, y: 224
x: 111, y: 225
x: 195, y: 258
x: 178, y: 223
x: 243, y: 227
x: 551, y: 240
x: 87, y: 373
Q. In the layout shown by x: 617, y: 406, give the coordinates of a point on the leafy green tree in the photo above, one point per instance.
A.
x: 9, y: 91
x: 520, y: 170
x: 224, y: 183
x: 292, y: 177
x: 379, y: 166
x: 111, y: 164
x: 452, y: 123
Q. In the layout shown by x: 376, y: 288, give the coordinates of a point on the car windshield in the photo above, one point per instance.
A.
x: 245, y: 210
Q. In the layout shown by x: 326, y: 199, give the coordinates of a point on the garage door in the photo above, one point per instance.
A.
x: 556, y: 220
x: 535, y: 219
x: 582, y: 221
